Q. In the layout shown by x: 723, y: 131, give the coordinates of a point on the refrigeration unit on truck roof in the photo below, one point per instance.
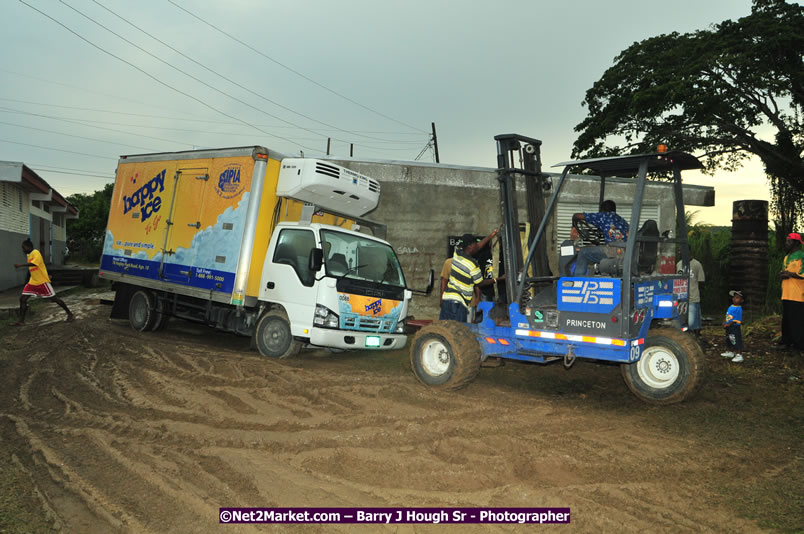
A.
x: 328, y: 186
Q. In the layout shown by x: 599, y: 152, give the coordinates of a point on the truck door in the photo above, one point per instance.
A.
x: 184, y: 221
x: 287, y: 280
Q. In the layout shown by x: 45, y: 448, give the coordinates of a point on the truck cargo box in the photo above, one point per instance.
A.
x: 199, y: 221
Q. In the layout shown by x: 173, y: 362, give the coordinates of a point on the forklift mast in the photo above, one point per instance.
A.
x: 520, y: 156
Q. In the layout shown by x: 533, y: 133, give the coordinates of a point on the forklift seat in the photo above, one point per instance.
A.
x: 648, y: 250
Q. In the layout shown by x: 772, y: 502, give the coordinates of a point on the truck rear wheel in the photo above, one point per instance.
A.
x: 670, y: 370
x: 273, y: 337
x: 445, y: 355
x: 161, y: 317
x: 141, y: 312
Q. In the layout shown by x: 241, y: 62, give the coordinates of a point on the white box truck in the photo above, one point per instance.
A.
x: 252, y: 242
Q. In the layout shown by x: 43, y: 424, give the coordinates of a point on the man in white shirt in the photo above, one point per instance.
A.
x: 696, y: 276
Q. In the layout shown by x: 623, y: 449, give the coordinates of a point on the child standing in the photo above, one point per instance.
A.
x: 732, y: 324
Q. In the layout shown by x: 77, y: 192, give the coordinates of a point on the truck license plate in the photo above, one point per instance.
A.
x: 372, y: 341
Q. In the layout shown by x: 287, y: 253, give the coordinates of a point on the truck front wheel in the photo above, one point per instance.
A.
x: 141, y: 312
x: 273, y: 336
x: 445, y: 355
x: 670, y: 369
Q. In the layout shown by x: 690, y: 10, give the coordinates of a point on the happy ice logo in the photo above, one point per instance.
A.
x: 229, y: 185
x: 146, y: 197
x: 375, y: 307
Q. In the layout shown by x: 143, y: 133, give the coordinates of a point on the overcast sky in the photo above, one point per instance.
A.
x: 372, y: 73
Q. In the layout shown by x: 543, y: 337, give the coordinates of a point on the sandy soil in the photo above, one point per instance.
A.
x: 126, y: 432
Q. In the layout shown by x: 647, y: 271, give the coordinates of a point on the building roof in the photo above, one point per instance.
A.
x: 16, y: 172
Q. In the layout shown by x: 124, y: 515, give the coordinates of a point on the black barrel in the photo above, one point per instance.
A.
x: 749, y: 252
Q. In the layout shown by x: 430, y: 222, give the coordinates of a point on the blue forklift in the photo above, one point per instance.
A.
x: 630, y: 308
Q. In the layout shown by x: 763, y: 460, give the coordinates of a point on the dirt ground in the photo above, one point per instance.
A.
x: 107, y: 430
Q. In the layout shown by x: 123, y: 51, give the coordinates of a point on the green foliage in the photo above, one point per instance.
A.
x: 708, y: 92
x: 87, y: 232
x: 712, y: 247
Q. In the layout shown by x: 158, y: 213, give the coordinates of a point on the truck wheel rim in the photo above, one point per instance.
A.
x: 658, y: 367
x: 275, y: 338
x: 435, y: 358
x: 139, y: 311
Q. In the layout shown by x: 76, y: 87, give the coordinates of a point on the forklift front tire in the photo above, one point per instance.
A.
x: 445, y: 355
x: 670, y: 369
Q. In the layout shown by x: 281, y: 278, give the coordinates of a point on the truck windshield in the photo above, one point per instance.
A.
x: 360, y: 258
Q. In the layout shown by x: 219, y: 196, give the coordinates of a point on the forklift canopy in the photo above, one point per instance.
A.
x: 629, y: 165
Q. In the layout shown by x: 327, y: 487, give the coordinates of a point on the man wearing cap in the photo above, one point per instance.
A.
x: 464, y: 279
x: 792, y: 276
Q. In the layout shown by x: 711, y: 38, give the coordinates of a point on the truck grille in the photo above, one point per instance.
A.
x: 368, y: 324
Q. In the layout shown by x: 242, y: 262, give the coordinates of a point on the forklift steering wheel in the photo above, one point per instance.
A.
x: 590, y: 233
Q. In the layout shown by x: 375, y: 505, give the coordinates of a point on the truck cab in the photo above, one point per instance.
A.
x: 339, y: 288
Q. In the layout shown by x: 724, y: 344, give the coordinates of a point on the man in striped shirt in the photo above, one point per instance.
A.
x: 464, y: 279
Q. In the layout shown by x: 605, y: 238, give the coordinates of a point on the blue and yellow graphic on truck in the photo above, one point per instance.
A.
x: 182, y: 221
x: 359, y: 312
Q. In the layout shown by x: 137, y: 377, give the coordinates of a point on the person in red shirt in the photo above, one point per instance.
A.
x: 39, y: 283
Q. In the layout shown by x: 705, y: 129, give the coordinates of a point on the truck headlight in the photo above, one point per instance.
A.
x: 324, y: 317
x: 400, y: 326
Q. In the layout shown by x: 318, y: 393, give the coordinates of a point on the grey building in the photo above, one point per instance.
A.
x: 424, y: 203
x: 29, y: 208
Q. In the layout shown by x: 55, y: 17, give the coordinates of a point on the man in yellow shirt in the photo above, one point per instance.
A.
x: 39, y: 283
x: 792, y: 276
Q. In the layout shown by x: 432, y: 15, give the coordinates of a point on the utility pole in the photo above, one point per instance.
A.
x: 351, y: 150
x: 435, y: 143
x: 329, y: 140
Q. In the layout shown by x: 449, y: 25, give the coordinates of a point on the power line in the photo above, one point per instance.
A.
x: 89, y: 124
x: 154, y: 78
x: 82, y: 89
x: 56, y: 149
x: 74, y: 121
x: 202, y: 82
x: 166, y: 117
x: 39, y: 169
x: 81, y: 171
x: 75, y: 136
x: 228, y: 78
x: 297, y: 73
x: 92, y: 124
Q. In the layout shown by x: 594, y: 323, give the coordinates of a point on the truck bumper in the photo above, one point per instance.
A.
x: 353, y: 339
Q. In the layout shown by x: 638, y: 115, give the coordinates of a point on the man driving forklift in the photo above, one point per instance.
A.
x: 611, y: 226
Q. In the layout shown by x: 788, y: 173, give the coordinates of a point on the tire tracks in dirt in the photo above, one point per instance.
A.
x: 128, y: 432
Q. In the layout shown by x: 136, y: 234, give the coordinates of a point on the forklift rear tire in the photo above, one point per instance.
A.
x: 445, y: 355
x: 141, y: 313
x: 670, y: 370
x: 273, y: 336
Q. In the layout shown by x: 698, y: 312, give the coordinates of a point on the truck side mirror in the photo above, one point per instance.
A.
x: 316, y: 260
x: 429, y: 288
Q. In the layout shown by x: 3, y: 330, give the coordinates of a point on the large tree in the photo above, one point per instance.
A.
x: 725, y: 93
x: 89, y: 229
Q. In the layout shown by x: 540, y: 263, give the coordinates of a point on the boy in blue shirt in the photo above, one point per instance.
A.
x: 732, y: 324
